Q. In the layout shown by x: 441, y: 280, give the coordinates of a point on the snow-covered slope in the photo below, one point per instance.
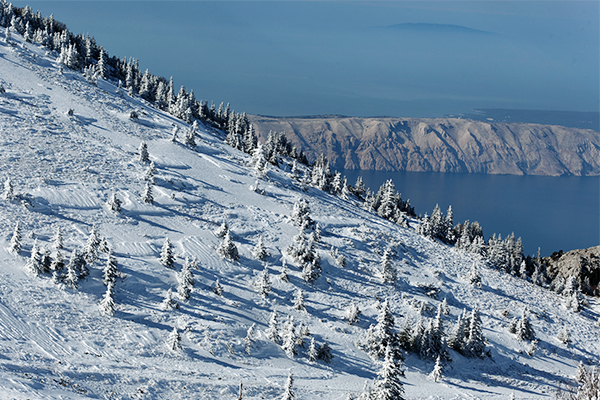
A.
x: 55, y: 342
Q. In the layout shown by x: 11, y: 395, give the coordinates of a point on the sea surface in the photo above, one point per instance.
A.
x: 552, y: 213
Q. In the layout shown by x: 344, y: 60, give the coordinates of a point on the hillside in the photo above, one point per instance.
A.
x: 441, y: 145
x: 69, y: 145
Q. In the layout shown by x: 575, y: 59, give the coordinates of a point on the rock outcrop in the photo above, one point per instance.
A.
x: 583, y: 264
x: 441, y: 145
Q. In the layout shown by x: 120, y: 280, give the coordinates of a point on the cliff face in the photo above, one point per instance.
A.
x: 583, y: 264
x: 442, y: 145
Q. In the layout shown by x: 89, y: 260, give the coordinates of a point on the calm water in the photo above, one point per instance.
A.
x: 552, y: 213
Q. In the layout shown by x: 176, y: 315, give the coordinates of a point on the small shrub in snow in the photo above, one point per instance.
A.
x: 564, y: 336
x: 352, y: 313
x: 133, y: 115
x: 341, y: 260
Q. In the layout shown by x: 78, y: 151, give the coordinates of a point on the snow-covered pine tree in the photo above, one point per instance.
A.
x: 260, y: 250
x: 444, y: 307
x: 457, y: 338
x: 166, y: 254
x: 263, y: 285
x: 147, y: 196
x: 288, y: 337
x: 299, y: 300
x: 301, y: 214
x: 288, y: 394
x: 222, y: 230
x: 324, y: 353
x: 45, y: 260
x: 272, y: 331
x: 34, y: 266
x: 217, y: 288
x: 524, y: 330
x: 91, y: 246
x: 436, y: 374
x: 259, y: 161
x: 250, y: 338
x: 150, y: 172
x: 381, y: 335
x: 9, y: 190
x: 113, y: 203
x: 169, y: 303
x: 564, y: 336
x: 58, y: 241
x: 284, y: 275
x: 174, y: 340
x: 388, y: 386
x: 313, y: 351
x: 475, y: 344
x: 186, y: 280
x: 352, y: 313
x: 107, y: 304
x: 190, y: 138
x: 15, y: 240
x: 387, y: 270
x: 57, y: 264
x: 72, y: 277
x: 227, y: 249
x: 473, y: 276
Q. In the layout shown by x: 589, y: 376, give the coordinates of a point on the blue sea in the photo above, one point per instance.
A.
x: 552, y: 213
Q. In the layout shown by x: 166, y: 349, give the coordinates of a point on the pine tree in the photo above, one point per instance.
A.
x: 107, y: 304
x: 72, y: 277
x: 299, y: 300
x: 9, y: 190
x: 388, y: 273
x: 190, y: 138
x: 186, y: 281
x: 166, y: 254
x: 324, y: 353
x: 227, y: 249
x: 388, y: 386
x: 475, y: 344
x: 15, y: 240
x: 444, y: 307
x: 284, y: 275
x: 289, y: 389
x: 34, y: 264
x: 381, y: 335
x: 101, y: 67
x: 564, y: 336
x: 111, y: 270
x: 147, y: 196
x: 352, y: 313
x: 144, y: 155
x: 113, y: 203
x: 91, y: 246
x: 524, y: 330
x: 301, y: 214
x: 222, y: 230
x: 264, y: 283
x: 313, y: 351
x: 458, y: 336
x: 473, y: 276
x: 288, y: 337
x: 436, y: 374
x: 259, y: 161
x: 169, y: 303
x: 260, y: 251
x: 174, y: 340
x: 217, y: 288
x: 250, y: 338
x: 273, y: 330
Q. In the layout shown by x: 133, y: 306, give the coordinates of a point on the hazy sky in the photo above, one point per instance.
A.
x: 394, y: 58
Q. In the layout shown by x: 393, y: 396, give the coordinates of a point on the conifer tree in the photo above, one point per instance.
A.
x: 381, y: 335
x: 388, y: 386
x: 186, y: 281
x: 174, y: 340
x: 45, y: 260
x: 388, y: 273
x: 147, y: 196
x: 564, y: 336
x: 107, y: 304
x: 288, y: 337
x: 436, y: 374
x: 299, y: 300
x: 144, y: 155
x: 301, y: 214
x: 114, y: 203
x: 190, y: 138
x: 273, y: 329
x: 91, y: 246
x: 15, y: 240
x: 352, y: 313
x: 473, y: 276
x: 264, y: 282
x: 33, y: 265
x: 57, y: 263
x: 250, y: 338
x: 313, y: 351
x: 72, y: 277
x: 227, y: 249
x: 524, y: 330
x: 222, y: 230
x: 9, y: 190
x: 260, y: 251
x: 166, y: 254
x: 169, y: 303
x: 324, y: 353
x: 284, y: 275
x: 217, y: 288
x: 475, y: 344
x: 289, y: 389
x: 101, y: 66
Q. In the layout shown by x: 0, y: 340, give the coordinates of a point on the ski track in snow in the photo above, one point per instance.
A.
x: 55, y: 343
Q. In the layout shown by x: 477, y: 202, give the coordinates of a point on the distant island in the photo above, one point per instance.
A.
x: 456, y: 145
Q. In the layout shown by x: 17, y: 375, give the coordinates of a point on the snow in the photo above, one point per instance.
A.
x: 55, y: 342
